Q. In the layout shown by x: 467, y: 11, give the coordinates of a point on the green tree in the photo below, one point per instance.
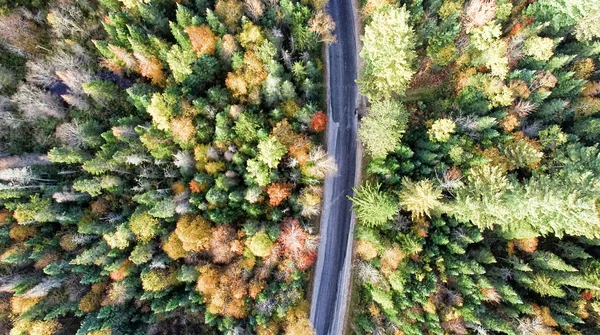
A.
x: 373, y: 206
x: 557, y: 203
x: 270, y: 151
x: 388, y: 52
x: 420, y: 198
x: 382, y: 129
x: 260, y: 245
x: 565, y: 14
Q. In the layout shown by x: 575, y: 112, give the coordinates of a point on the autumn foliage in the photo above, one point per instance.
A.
x: 203, y: 39
x: 297, y: 244
x: 152, y: 151
x: 318, y: 122
x: 278, y: 192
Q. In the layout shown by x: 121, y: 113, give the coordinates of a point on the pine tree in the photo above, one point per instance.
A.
x: 373, y: 206
x: 420, y: 198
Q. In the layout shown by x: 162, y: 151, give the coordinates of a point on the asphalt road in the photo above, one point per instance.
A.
x: 332, y: 272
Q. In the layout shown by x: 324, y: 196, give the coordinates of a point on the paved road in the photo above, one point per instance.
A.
x: 332, y: 273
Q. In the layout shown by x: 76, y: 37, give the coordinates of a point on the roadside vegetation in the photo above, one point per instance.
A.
x: 161, y: 165
x: 479, y: 210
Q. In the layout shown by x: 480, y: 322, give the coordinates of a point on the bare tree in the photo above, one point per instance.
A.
x: 184, y: 160
x: 74, y: 78
x: 43, y: 288
x: 71, y: 134
x: 16, y: 175
x: 478, y: 13
x: 78, y: 101
x: 533, y: 326
x: 66, y: 196
x: 37, y: 104
x: 19, y: 33
x: 324, y: 165
x: 7, y: 114
x: 65, y: 21
x: 41, y: 73
x: 254, y: 9
x: 24, y: 160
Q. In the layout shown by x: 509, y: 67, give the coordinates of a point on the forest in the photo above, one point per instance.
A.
x: 479, y: 210
x: 161, y: 165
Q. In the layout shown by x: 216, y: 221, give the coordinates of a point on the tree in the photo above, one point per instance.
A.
x: 318, y: 122
x: 254, y: 9
x: 373, y: 207
x: 522, y: 154
x: 180, y: 62
x: 388, y: 52
x: 270, y: 152
x: 38, y: 104
x: 366, y: 250
x: 224, y: 245
x: 183, y: 131
x: 555, y: 204
x: 565, y: 14
x: 229, y: 12
x: 322, y: 24
x: 173, y: 247
x: 204, y: 41
x: 152, y: 68
x: 478, y: 13
x: 119, y: 239
x: 19, y: 32
x: 540, y: 48
x: 278, y: 192
x: 258, y: 172
x: 159, y: 280
x: 382, y: 129
x: 194, y: 233
x: 244, y: 83
x: 246, y: 127
x: 441, y: 130
x: 420, y: 198
x: 260, y: 245
x: 144, y: 226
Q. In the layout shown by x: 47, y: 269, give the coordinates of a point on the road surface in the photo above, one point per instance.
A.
x: 332, y: 272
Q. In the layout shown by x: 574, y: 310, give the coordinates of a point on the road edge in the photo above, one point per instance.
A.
x: 314, y: 284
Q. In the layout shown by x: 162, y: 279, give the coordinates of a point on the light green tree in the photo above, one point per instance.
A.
x: 540, y: 48
x: 441, y: 130
x: 260, y: 245
x: 144, y: 226
x: 373, y: 207
x: 559, y: 203
x: 388, y: 52
x: 420, y: 198
x: 270, y: 151
x: 382, y: 129
x: 258, y: 172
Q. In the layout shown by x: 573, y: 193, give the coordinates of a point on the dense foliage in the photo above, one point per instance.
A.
x: 480, y: 216
x: 182, y: 177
